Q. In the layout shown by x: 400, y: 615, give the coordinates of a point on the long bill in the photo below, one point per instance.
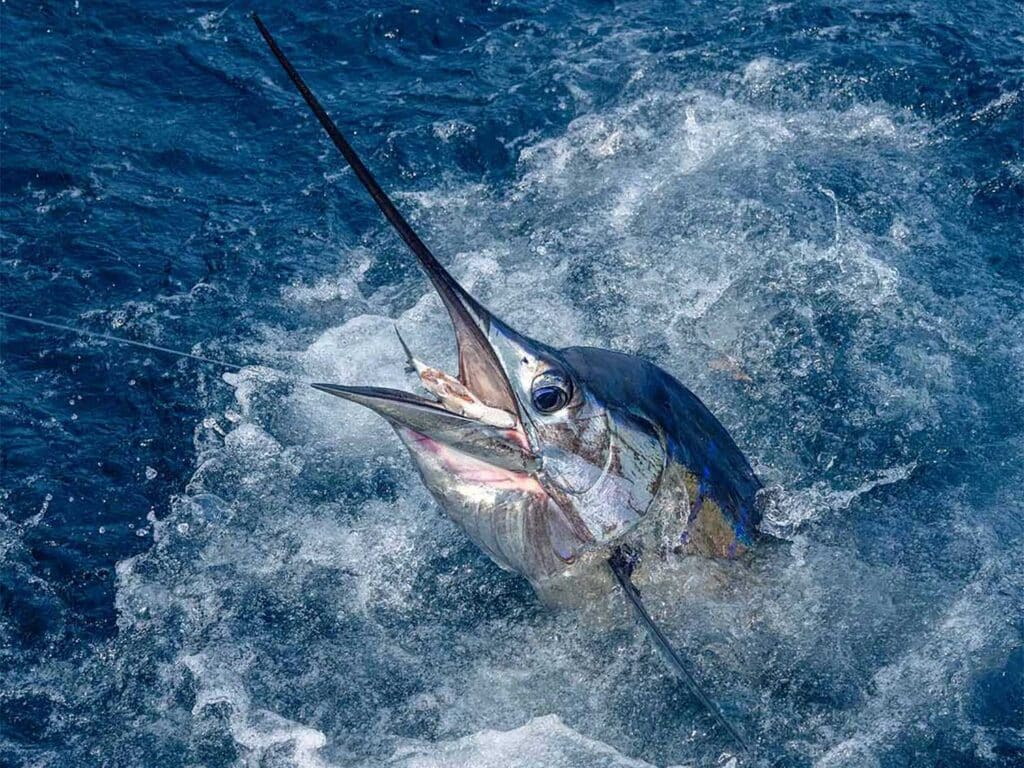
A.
x: 479, y: 368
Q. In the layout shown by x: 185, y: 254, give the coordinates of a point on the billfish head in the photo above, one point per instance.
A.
x: 518, y: 416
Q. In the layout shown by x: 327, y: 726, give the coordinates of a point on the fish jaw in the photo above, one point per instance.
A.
x: 507, y: 513
x: 500, y: 446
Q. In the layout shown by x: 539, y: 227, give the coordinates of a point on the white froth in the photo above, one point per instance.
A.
x: 543, y: 741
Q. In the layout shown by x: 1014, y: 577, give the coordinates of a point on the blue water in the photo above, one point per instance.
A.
x: 811, y: 213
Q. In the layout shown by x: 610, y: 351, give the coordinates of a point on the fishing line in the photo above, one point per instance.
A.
x: 120, y: 340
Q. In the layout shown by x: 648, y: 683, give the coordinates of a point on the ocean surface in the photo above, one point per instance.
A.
x: 811, y: 213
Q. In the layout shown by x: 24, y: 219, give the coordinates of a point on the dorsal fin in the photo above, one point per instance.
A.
x: 621, y: 563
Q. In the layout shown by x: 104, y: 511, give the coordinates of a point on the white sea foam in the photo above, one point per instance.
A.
x: 543, y: 741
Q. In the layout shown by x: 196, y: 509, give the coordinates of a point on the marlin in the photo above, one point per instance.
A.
x: 573, y: 468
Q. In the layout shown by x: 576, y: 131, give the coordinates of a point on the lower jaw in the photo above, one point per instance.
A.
x: 466, y: 469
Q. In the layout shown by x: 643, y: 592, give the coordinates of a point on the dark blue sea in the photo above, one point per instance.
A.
x: 811, y: 213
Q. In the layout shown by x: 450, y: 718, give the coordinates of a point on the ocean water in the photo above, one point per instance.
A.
x: 811, y: 213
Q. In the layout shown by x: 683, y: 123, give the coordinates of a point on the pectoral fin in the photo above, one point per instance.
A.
x: 622, y: 562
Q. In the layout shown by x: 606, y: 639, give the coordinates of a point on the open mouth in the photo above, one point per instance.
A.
x: 476, y: 412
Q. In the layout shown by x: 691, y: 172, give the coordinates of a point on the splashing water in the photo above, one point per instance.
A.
x: 810, y: 214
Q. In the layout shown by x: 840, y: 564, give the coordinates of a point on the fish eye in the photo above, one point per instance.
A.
x: 551, y: 391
